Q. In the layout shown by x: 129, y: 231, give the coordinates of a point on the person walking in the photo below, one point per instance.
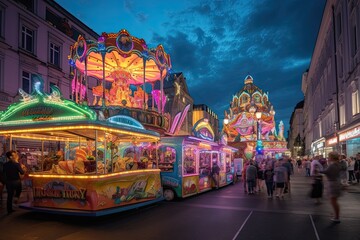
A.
x: 317, y: 185
x: 12, y: 170
x: 357, y: 167
x: 307, y: 167
x: 350, y: 169
x: 251, y: 174
x: 2, y: 177
x: 269, y: 180
x: 280, y: 177
x: 334, y: 183
x: 215, y: 171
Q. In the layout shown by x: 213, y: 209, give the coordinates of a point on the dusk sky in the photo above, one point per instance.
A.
x: 216, y: 43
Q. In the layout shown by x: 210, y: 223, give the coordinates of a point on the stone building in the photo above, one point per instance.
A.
x: 331, y: 85
x: 296, y: 139
x: 35, y: 38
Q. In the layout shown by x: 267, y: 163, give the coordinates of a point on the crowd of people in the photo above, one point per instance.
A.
x: 339, y: 170
x: 269, y: 172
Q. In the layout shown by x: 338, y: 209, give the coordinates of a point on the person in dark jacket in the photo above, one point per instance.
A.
x: 12, y: 170
x: 357, y: 167
x: 215, y: 172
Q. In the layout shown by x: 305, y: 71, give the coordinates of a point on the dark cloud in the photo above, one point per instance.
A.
x: 272, y: 40
x: 216, y: 43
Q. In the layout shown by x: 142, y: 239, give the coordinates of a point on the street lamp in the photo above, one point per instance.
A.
x: 226, y: 120
x: 258, y: 127
x: 259, y: 144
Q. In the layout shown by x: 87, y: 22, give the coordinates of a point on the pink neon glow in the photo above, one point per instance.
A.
x: 175, y: 122
x: 183, y: 115
x: 79, y: 88
x: 156, y: 95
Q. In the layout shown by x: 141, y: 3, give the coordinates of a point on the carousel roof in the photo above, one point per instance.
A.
x: 123, y: 56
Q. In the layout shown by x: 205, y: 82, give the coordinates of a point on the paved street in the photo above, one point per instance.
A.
x: 224, y: 214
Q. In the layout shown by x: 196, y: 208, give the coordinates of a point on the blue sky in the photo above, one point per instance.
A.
x: 216, y: 43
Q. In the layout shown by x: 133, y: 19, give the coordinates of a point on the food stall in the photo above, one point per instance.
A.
x: 186, y: 162
x: 87, y: 170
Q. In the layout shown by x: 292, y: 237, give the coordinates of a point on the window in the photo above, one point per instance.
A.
x: 167, y: 158
x: 2, y: 14
x: 204, y: 163
x: 355, y: 103
x: 1, y: 74
x: 342, y: 115
x: 340, y: 66
x: 54, y: 54
x: 189, y: 164
x: 338, y: 25
x: 26, y: 82
x: 27, y: 39
x: 244, y: 99
x: 353, y: 40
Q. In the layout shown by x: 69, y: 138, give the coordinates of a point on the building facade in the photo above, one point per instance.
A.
x: 201, y: 111
x: 296, y: 133
x: 331, y: 84
x: 35, y: 38
x: 178, y: 97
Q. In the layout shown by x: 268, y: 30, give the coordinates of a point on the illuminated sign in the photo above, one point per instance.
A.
x: 332, y: 141
x: 355, y: 132
x: 125, y: 121
x: 203, y: 130
x: 39, y: 106
x: 57, y: 193
x: 320, y: 145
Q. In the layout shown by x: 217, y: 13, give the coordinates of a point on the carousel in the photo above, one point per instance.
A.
x: 86, y: 165
x: 132, y: 78
x: 249, y: 124
x: 130, y: 74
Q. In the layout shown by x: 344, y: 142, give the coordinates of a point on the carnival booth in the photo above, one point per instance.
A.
x: 250, y: 125
x: 88, y: 168
x: 186, y: 162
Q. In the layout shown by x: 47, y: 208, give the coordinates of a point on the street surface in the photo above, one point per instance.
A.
x: 224, y: 214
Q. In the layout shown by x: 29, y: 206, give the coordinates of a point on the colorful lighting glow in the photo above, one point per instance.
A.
x: 204, y: 145
x: 134, y: 172
x: 125, y: 121
x: 81, y: 127
x: 202, y: 129
x: 41, y: 107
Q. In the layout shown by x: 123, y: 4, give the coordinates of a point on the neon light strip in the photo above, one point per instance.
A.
x: 183, y: 115
x: 90, y: 127
x: 17, y: 107
x: 175, y: 122
x: 20, y: 122
x: 135, y: 172
x: 50, y: 138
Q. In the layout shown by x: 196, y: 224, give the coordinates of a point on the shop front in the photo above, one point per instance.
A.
x: 350, y: 141
x: 318, y: 147
x: 330, y: 145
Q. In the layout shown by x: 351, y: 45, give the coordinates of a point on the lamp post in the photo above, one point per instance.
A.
x: 226, y: 120
x: 258, y: 127
x: 259, y: 144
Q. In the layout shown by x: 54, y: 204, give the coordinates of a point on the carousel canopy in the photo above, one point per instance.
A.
x: 123, y: 56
